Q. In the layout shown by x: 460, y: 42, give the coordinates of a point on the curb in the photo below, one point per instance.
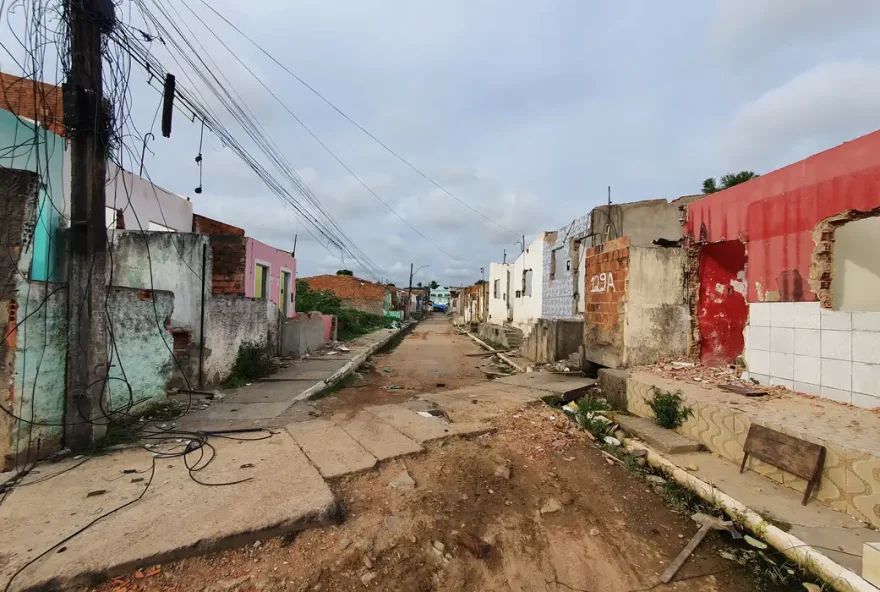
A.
x: 350, y: 367
x: 834, y: 574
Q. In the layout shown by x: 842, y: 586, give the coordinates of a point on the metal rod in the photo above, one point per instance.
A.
x: 202, y: 321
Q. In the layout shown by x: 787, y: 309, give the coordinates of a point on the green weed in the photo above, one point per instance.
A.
x: 668, y: 409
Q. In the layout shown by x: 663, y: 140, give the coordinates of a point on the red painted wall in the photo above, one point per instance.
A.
x: 775, y: 213
x: 722, y: 307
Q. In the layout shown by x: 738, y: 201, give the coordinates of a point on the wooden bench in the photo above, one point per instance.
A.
x: 793, y: 455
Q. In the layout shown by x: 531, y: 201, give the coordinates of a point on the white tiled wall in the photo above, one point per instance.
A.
x: 833, y: 354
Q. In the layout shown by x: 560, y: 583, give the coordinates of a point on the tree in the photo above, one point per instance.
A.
x: 434, y: 285
x: 419, y: 285
x: 727, y: 181
x: 344, y: 272
x: 479, y: 282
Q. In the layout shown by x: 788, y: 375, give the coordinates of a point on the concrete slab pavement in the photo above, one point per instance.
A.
x: 379, y: 438
x: 175, y: 518
x: 330, y: 448
x: 279, y: 399
x: 815, y: 523
x: 571, y: 385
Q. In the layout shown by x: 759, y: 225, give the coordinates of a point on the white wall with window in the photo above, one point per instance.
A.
x: 528, y: 272
x: 498, y: 278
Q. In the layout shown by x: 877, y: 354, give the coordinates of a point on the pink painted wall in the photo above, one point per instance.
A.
x: 277, y: 260
x: 328, y: 327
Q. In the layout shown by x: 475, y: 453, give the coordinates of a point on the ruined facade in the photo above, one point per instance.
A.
x: 789, y: 270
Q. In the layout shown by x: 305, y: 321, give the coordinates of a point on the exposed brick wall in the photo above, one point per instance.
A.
x: 376, y: 307
x: 34, y: 100
x: 206, y: 225
x: 347, y: 287
x: 229, y: 260
x: 606, y: 279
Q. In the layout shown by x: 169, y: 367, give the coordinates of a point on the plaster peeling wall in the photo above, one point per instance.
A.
x: 722, y: 306
x: 139, y: 319
x: 232, y: 320
x: 165, y: 261
x: 657, y: 317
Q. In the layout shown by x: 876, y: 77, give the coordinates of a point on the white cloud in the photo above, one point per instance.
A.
x: 831, y: 103
x: 753, y: 26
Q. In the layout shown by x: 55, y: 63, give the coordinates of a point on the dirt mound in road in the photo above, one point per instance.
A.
x: 532, y: 507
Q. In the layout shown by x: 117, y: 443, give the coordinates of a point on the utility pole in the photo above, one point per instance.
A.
x: 87, y: 362
x: 409, y: 294
x: 293, y: 253
x: 523, y: 243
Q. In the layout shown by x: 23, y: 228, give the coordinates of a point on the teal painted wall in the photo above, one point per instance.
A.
x: 40, y: 363
x: 143, y: 347
x: 142, y: 357
x: 41, y: 151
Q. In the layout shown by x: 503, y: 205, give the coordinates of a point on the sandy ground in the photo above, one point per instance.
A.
x: 431, y: 358
x: 473, y: 519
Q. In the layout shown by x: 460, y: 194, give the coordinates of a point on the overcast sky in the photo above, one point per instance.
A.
x: 525, y: 110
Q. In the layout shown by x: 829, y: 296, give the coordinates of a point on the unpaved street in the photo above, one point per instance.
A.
x: 531, y: 507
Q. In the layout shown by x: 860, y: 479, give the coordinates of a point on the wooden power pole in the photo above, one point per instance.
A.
x: 87, y: 361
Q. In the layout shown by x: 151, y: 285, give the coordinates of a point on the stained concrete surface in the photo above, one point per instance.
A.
x: 275, y: 402
x: 655, y: 436
x: 557, y: 384
x: 814, y: 523
x: 175, y: 518
x: 330, y: 448
x: 379, y: 438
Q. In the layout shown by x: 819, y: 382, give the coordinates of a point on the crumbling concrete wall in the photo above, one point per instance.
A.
x: 302, y: 334
x: 552, y: 340
x: 232, y: 321
x: 169, y: 261
x: 142, y: 353
x: 657, y: 313
x: 641, y: 222
x: 637, y: 308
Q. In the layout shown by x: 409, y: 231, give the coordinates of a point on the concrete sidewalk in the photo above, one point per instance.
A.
x: 282, y: 398
x: 176, y: 517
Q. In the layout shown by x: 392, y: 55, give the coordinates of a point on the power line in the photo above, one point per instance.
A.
x: 320, y: 220
x: 317, y: 139
x: 353, y: 122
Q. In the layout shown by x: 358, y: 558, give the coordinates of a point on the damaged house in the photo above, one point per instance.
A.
x: 788, y: 274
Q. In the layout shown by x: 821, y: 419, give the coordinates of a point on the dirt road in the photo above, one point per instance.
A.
x: 531, y: 507
x: 430, y: 358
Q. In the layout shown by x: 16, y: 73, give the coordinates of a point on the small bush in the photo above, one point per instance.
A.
x: 588, y: 410
x: 668, y: 409
x: 252, y: 362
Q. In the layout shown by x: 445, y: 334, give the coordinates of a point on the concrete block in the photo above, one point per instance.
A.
x: 612, y: 383
x: 330, y: 449
x: 379, y: 438
x: 421, y: 429
x: 660, y: 438
x: 871, y: 563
